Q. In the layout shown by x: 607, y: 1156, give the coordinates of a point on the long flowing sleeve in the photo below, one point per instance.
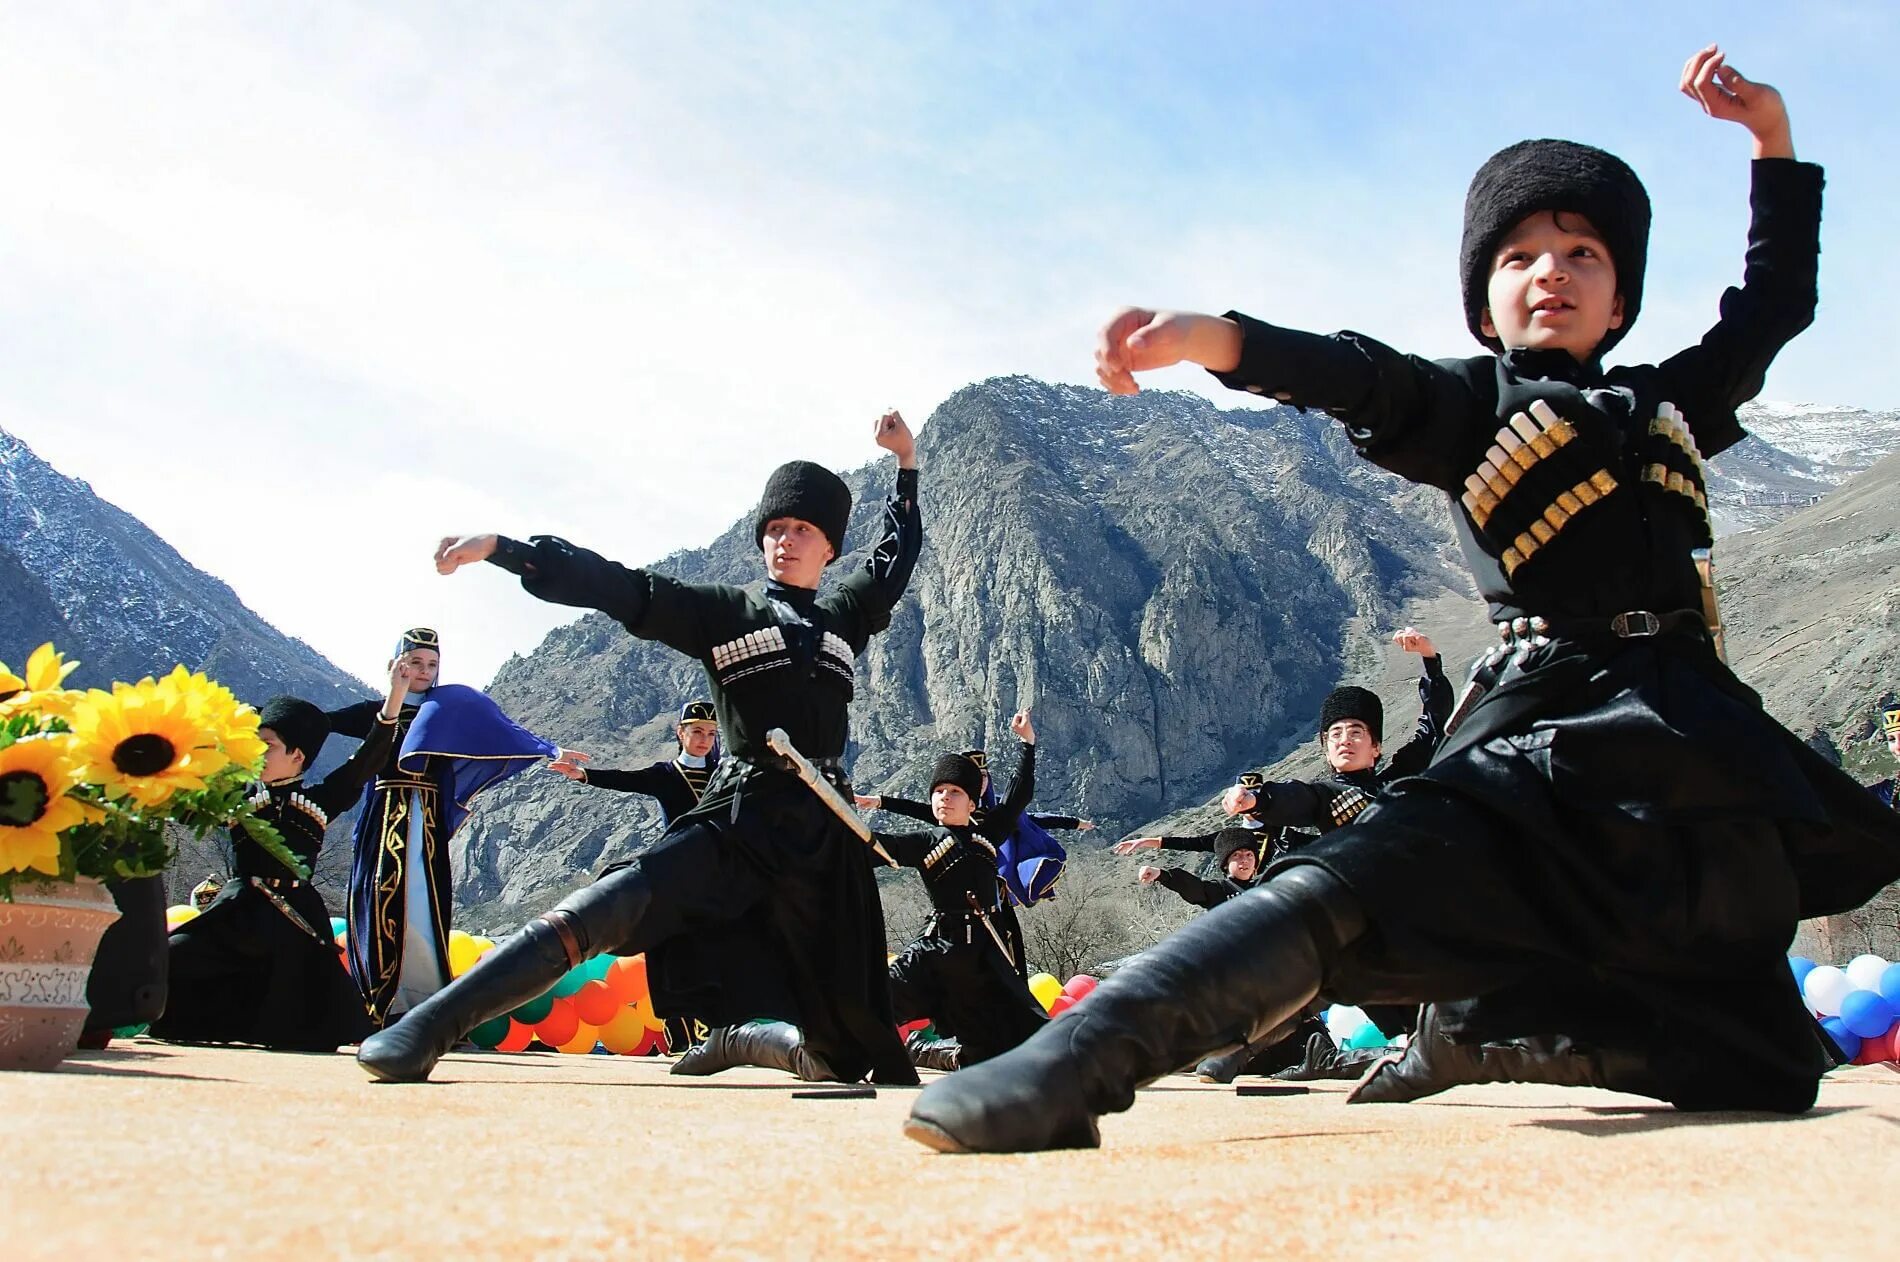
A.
x: 357, y: 720
x: 647, y: 780
x: 1196, y: 890
x: 908, y: 850
x: 908, y: 808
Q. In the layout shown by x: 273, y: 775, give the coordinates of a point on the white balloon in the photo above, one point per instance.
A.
x: 1826, y: 987
x: 1865, y: 970
x: 1343, y: 1021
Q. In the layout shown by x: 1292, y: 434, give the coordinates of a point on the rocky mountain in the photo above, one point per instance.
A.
x: 1794, y: 454
x: 1170, y: 585
x: 79, y: 571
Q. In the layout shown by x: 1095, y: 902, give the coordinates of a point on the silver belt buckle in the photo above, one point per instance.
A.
x: 1636, y: 624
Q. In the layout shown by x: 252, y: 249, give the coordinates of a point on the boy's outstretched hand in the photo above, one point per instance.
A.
x: 1723, y: 92
x: 894, y: 436
x: 1139, y: 340
x: 455, y: 551
x: 1024, y: 729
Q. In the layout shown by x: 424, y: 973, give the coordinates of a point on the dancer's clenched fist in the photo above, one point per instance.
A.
x: 1137, y: 339
x: 455, y: 551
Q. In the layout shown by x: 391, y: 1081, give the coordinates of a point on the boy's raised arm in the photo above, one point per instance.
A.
x: 1779, y: 292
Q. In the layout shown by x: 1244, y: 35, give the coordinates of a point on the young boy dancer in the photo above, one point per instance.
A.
x: 450, y: 743
x: 962, y: 972
x: 259, y: 965
x: 760, y: 843
x: 1616, y: 817
x: 1028, y: 858
x: 1351, y: 732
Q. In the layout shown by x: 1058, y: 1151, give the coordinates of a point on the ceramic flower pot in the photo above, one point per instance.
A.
x: 48, y: 934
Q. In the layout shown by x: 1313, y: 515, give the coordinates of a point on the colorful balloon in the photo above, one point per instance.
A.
x: 1844, y: 1038
x: 535, y: 1011
x: 462, y: 953
x: 1866, y: 1013
x: 1864, y: 972
x: 1826, y: 987
x: 1078, y: 986
x: 519, y: 1036
x: 176, y: 916
x: 624, y: 1033
x: 1889, y: 986
x: 596, y: 1004
x: 1045, y: 988
x: 627, y: 978
x: 585, y: 1036
x: 490, y: 1033
x: 560, y: 1025
x: 571, y: 981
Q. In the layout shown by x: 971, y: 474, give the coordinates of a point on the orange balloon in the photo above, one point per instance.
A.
x: 624, y: 1033
x: 560, y: 1025
x: 627, y: 978
x: 517, y: 1038
x: 585, y: 1036
x: 596, y: 1004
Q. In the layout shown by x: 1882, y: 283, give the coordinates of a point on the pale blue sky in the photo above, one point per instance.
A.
x: 595, y: 269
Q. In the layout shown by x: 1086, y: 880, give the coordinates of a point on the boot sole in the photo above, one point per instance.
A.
x: 930, y: 1135
x: 382, y: 1073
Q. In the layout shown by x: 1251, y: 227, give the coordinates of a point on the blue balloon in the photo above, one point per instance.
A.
x: 1890, y: 985
x: 338, y: 925
x: 1844, y: 1038
x: 1866, y: 1013
x: 1802, y: 966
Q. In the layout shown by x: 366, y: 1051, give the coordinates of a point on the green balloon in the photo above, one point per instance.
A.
x: 129, y: 1031
x: 571, y: 981
x: 535, y: 1011
x: 489, y: 1033
x: 596, y: 968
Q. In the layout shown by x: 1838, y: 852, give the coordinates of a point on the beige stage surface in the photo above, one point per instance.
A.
x: 147, y: 1150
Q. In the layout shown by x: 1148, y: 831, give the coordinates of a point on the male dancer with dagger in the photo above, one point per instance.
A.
x: 760, y: 844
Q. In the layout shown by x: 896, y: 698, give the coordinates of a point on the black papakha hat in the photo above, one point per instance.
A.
x: 1229, y: 840
x: 960, y: 771
x: 698, y: 712
x: 809, y: 492
x: 1538, y: 175
x: 1353, y: 702
x: 298, y: 724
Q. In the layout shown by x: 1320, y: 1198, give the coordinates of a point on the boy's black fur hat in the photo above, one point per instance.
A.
x: 960, y: 771
x: 1538, y: 175
x: 1353, y: 702
x: 809, y: 492
x: 1229, y: 840
x: 299, y: 725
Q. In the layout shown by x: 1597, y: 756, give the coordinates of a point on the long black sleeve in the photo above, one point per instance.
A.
x: 1290, y: 804
x: 875, y: 589
x: 339, y: 790
x: 1434, y: 697
x: 1000, y: 823
x: 908, y: 808
x: 647, y: 780
x: 909, y: 849
x: 357, y: 720
x: 651, y: 606
x: 1196, y: 890
x: 1056, y: 821
x: 1775, y: 302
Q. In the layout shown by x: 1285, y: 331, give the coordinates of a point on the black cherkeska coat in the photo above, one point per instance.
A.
x: 760, y: 859
x: 1615, y: 844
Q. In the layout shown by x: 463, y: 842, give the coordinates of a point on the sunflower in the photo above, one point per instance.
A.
x: 147, y: 740
x: 41, y: 689
x: 34, y: 776
x: 219, y: 710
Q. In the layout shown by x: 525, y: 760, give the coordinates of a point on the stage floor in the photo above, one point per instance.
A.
x: 148, y: 1150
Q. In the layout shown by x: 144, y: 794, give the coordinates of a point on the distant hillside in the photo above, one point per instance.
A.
x: 77, y: 570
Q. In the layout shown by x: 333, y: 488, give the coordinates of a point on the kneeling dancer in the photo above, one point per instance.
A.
x: 759, y: 844
x: 1616, y: 815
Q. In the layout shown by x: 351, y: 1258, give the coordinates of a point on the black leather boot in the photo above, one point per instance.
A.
x: 520, y: 969
x: 1252, y: 964
x: 766, y: 1044
x: 1434, y: 1063
x: 929, y: 1053
x: 1326, y: 1059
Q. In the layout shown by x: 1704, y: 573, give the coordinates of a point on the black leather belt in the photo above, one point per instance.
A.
x: 778, y: 762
